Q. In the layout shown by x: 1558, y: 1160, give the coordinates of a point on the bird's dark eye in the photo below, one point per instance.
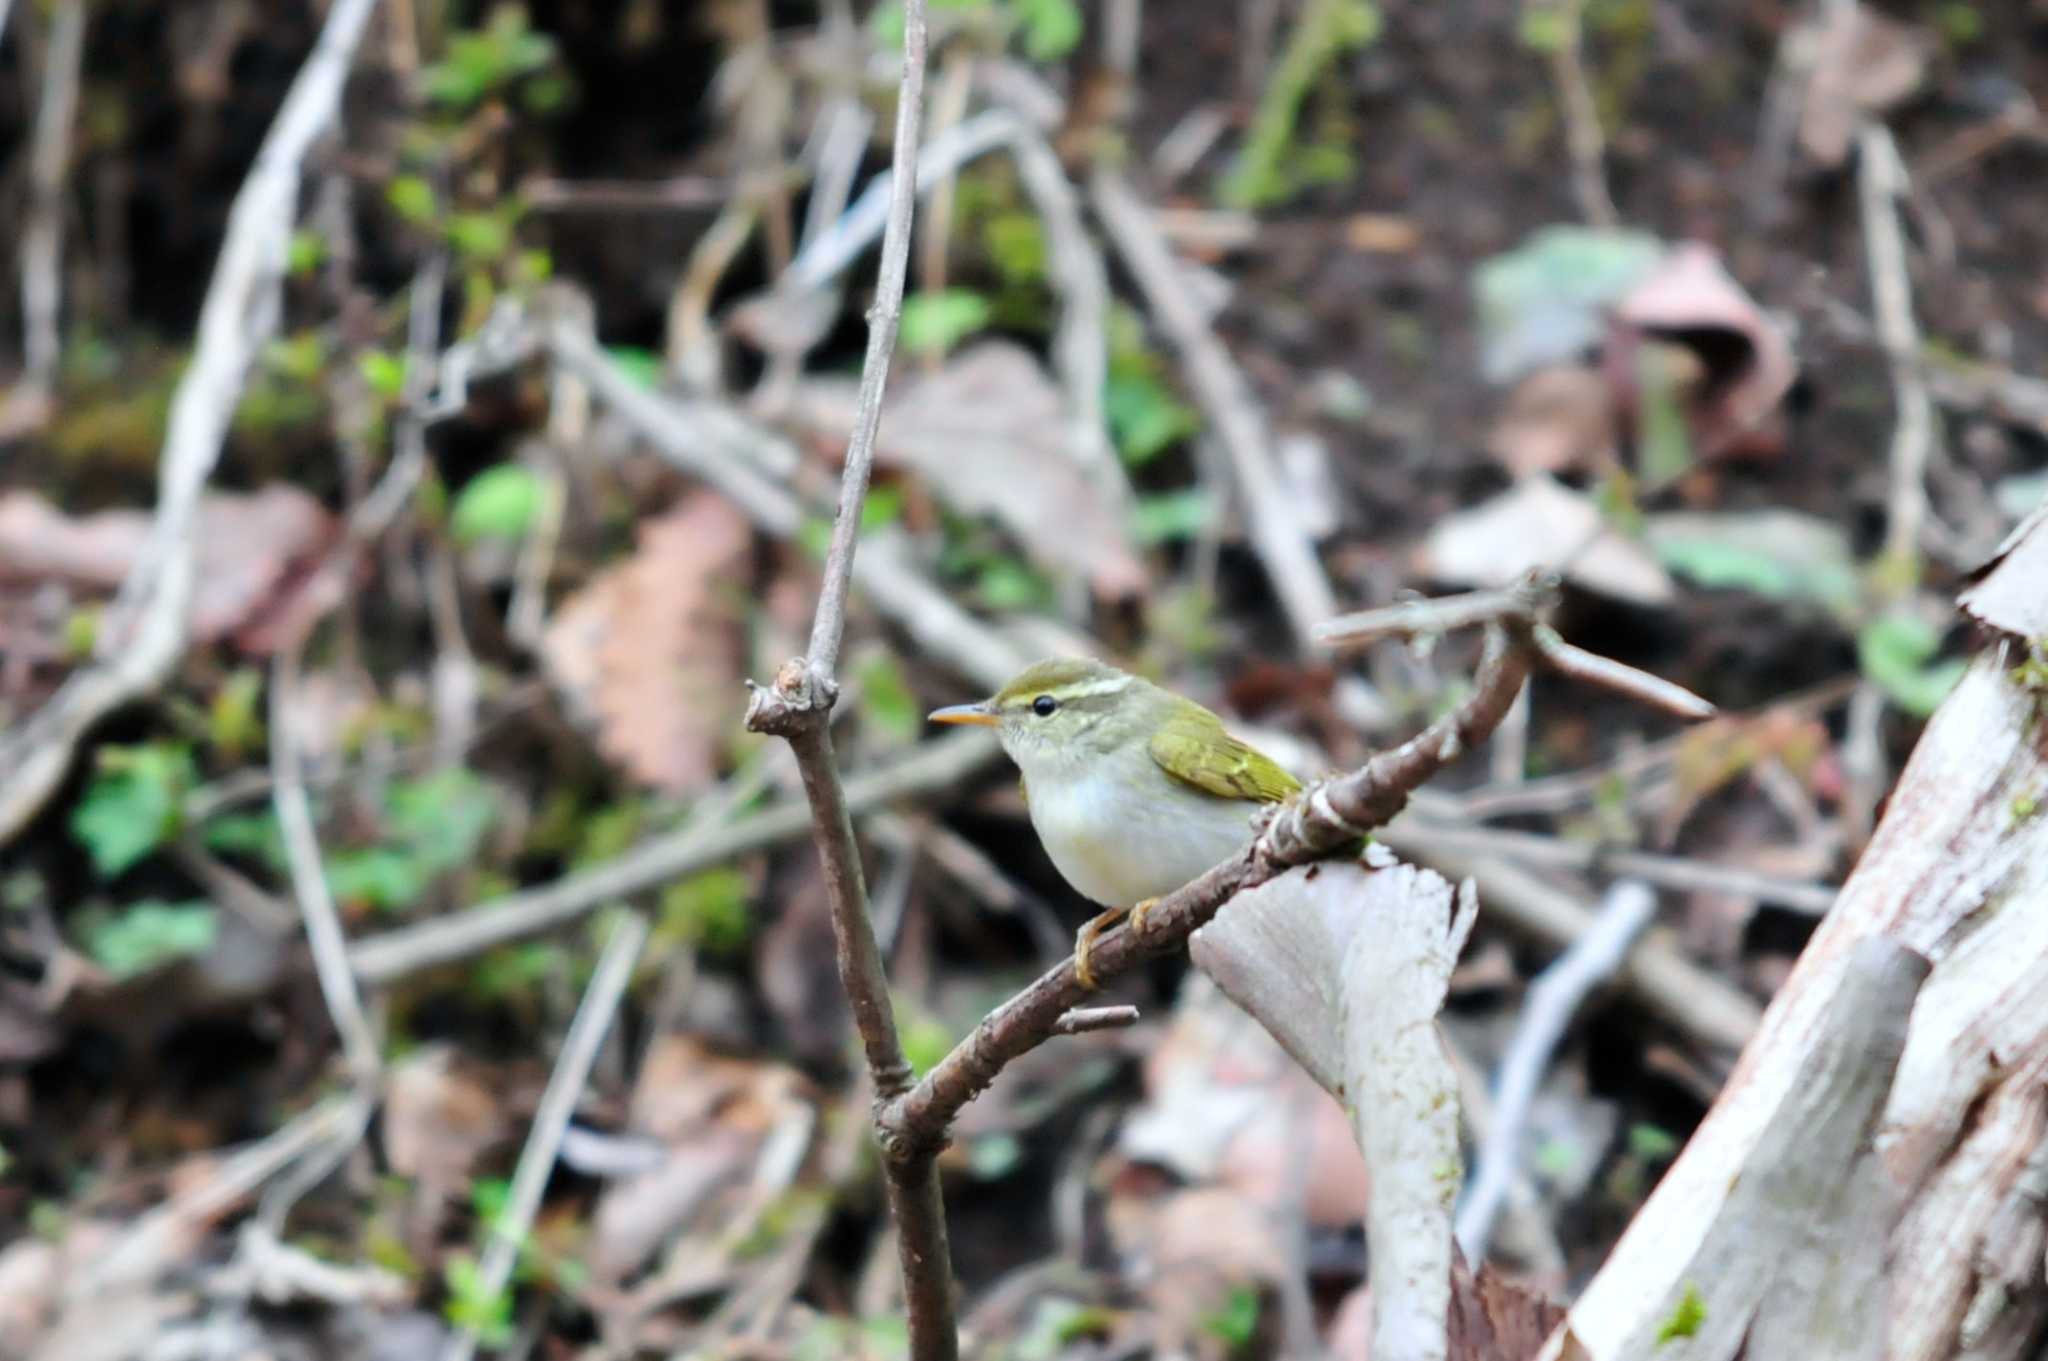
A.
x: 1044, y: 705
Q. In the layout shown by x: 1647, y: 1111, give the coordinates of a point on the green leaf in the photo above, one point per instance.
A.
x: 384, y: 372
x: 306, y: 253
x: 148, y: 934
x: 1896, y: 653
x: 1651, y: 1143
x: 926, y: 1039
x: 254, y: 835
x: 1144, y: 418
x: 1052, y: 28
x: 1545, y: 301
x: 1237, y: 1322
x: 131, y: 807
x: 1167, y: 516
x: 1543, y: 28
x: 234, y: 723
x: 886, y: 700
x: 473, y: 1304
x: 1267, y: 172
x: 442, y: 817
x: 934, y: 322
x: 710, y: 911
x: 1686, y: 1316
x: 1780, y: 554
x: 642, y: 367
x: 379, y: 877
x: 1015, y: 243
x: 480, y: 236
x: 501, y: 502
x: 412, y: 198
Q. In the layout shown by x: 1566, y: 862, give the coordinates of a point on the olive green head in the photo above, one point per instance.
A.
x: 1067, y: 708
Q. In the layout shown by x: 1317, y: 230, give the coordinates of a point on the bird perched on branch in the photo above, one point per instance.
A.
x: 1133, y: 790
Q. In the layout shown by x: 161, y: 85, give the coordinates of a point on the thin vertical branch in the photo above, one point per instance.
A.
x: 309, y: 878
x: 544, y: 1142
x: 42, y: 247
x: 883, y: 316
x: 798, y: 708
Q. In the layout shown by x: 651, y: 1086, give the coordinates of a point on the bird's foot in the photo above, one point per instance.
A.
x: 1084, y: 944
x: 1084, y: 940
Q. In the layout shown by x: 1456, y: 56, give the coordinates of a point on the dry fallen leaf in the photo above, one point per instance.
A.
x: 253, y: 551
x: 1226, y: 1106
x: 1541, y: 523
x: 717, y: 1118
x: 991, y: 434
x: 439, y: 1119
x: 1557, y: 419
x: 1690, y: 299
x: 1863, y: 64
x: 649, y: 651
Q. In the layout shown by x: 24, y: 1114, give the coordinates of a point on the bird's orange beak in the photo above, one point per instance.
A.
x: 979, y: 715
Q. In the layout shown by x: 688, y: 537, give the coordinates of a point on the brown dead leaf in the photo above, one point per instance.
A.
x: 991, y: 435
x: 649, y: 651
x: 440, y: 1118
x: 1541, y: 523
x: 1691, y: 300
x: 1381, y: 233
x: 717, y: 1116
x: 1863, y: 65
x: 1558, y: 419
x: 254, y: 549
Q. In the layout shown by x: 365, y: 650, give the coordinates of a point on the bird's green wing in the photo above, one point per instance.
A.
x: 1193, y: 748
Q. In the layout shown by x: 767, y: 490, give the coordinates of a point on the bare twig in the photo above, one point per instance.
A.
x: 1880, y: 182
x: 1554, y: 998
x: 1228, y: 401
x: 1656, y: 977
x: 1081, y: 1020
x: 42, y: 242
x: 557, y: 1103
x: 1435, y: 830
x: 798, y: 708
x: 1583, y: 139
x: 709, y: 839
x: 309, y: 877
x: 160, y: 1238
x: 239, y: 315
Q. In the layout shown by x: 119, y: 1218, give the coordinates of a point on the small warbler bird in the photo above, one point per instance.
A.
x: 1134, y: 790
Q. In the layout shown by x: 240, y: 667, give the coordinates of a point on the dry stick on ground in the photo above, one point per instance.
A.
x: 239, y: 315
x: 798, y: 708
x: 1554, y: 999
x: 1583, y: 139
x: 1880, y: 183
x: 42, y: 242
x: 557, y: 1103
x: 711, y: 837
x: 1438, y: 825
x: 1229, y: 403
x: 309, y: 877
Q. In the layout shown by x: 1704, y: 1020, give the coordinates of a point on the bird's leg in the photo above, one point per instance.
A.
x: 1084, y: 943
x: 1084, y: 940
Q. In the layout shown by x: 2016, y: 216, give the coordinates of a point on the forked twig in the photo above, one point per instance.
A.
x: 797, y: 707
